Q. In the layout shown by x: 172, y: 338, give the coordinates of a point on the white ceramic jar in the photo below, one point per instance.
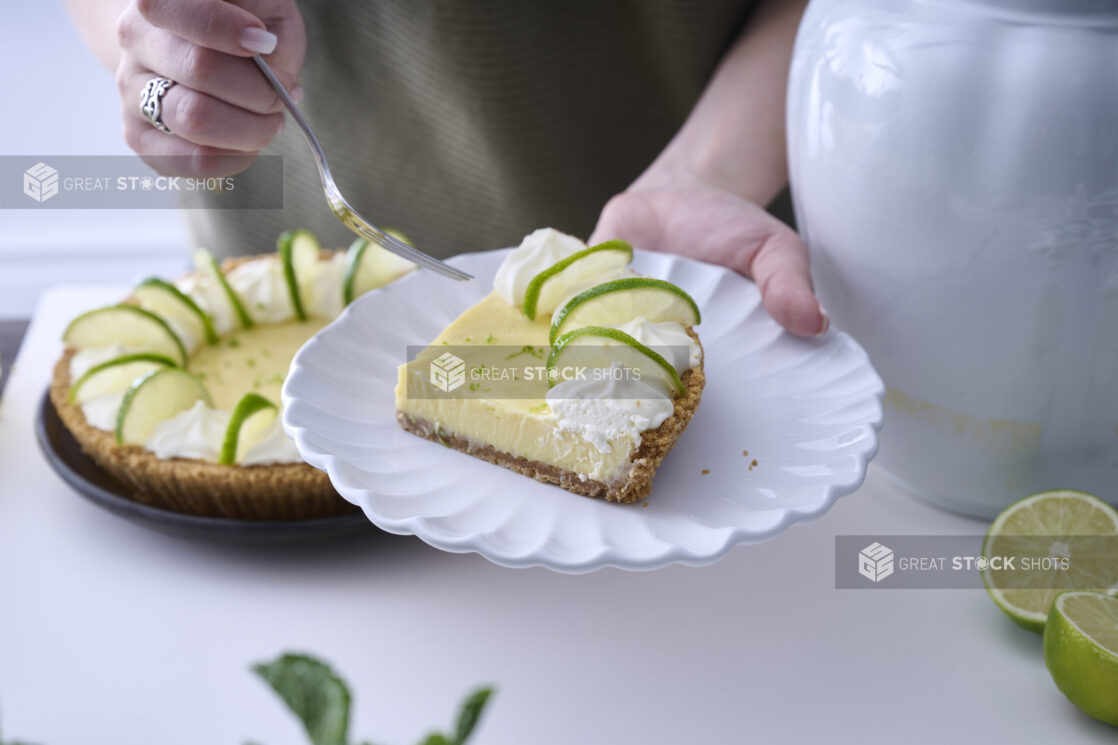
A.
x: 954, y: 167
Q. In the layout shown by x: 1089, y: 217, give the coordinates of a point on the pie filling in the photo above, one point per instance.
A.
x: 244, y: 360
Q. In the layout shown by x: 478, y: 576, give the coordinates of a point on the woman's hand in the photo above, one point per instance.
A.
x: 221, y: 110
x: 700, y: 197
x: 685, y: 216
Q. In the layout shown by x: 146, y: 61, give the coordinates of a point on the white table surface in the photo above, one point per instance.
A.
x: 111, y: 633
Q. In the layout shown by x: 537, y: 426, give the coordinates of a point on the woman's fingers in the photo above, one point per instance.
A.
x: 234, y: 80
x: 174, y: 156
x: 220, y: 102
x: 215, y: 24
x: 204, y: 120
x: 716, y: 226
x: 779, y: 266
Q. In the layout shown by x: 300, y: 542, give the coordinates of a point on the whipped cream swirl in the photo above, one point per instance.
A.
x: 322, y: 295
x: 668, y: 338
x: 274, y: 446
x: 604, y: 409
x: 197, y: 432
x: 210, y: 296
x: 263, y: 290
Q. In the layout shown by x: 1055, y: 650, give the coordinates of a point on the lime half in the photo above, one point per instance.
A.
x: 1057, y: 540
x: 1081, y: 651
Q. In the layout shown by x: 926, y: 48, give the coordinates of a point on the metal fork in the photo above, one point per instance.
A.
x: 340, y: 207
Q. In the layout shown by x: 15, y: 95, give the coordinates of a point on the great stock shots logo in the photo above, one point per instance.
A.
x: 68, y: 182
x: 40, y: 182
x: 448, y: 372
x: 875, y: 562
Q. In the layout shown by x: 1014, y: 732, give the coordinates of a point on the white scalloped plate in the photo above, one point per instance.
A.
x: 807, y: 410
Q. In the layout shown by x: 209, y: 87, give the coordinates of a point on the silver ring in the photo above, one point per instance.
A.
x: 151, y: 101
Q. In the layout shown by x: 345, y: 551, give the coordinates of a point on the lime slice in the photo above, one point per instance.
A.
x: 128, y: 325
x: 154, y: 398
x: 600, y: 347
x: 1081, y: 651
x: 1063, y: 540
x: 298, y: 250
x: 620, y: 300
x: 368, y: 266
x: 205, y: 263
x: 115, y: 375
x: 252, y: 415
x: 163, y: 298
x: 546, y: 288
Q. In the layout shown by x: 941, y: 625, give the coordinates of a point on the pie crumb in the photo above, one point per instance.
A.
x: 706, y: 471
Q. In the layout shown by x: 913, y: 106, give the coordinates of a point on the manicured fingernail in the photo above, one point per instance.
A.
x: 258, y: 41
x: 297, y: 93
x: 826, y: 322
x: 283, y: 123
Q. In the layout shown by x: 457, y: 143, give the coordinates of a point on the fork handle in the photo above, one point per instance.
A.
x: 338, y: 205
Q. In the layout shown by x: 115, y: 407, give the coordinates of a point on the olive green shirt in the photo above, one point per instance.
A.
x: 469, y: 123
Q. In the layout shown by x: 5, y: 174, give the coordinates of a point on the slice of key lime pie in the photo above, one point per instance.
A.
x: 175, y: 390
x: 575, y: 370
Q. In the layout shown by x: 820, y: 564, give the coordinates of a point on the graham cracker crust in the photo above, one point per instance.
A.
x: 654, y: 446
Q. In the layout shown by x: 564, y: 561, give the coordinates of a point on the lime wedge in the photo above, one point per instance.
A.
x: 154, y: 398
x: 621, y: 300
x: 1081, y: 652
x: 128, y: 325
x: 600, y: 347
x: 252, y: 415
x: 1063, y: 540
x: 163, y: 298
x: 205, y: 263
x: 368, y: 266
x: 298, y: 250
x: 547, y: 288
x: 115, y: 375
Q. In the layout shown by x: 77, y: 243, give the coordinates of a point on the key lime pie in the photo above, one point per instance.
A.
x: 175, y: 391
x: 574, y: 370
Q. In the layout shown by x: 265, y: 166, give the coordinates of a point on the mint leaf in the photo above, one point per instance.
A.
x: 436, y: 738
x: 313, y: 693
x: 470, y: 712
